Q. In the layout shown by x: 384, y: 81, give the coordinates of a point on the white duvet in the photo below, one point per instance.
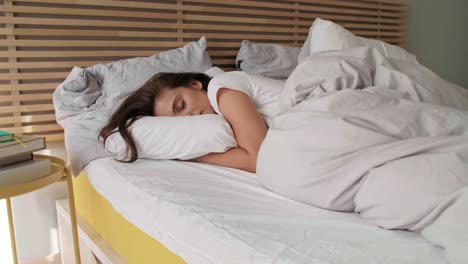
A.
x: 384, y: 138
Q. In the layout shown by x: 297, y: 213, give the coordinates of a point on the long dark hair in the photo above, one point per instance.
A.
x: 141, y: 103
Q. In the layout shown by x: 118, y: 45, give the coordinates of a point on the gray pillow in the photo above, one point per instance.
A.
x: 87, y: 97
x: 268, y: 60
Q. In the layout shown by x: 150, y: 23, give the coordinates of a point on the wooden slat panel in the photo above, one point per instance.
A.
x: 28, y: 87
x: 152, y: 15
x: 221, y: 61
x: 341, y: 4
x: 81, y: 54
x: 219, y: 37
x: 97, y: 43
x: 167, y: 25
x: 308, y: 7
x: 224, y: 52
x: 48, y: 64
x: 44, y: 39
x: 261, y: 5
x: 109, y: 43
x: 27, y: 119
x: 136, y: 44
x: 78, y: 54
x: 12, y: 60
x: 33, y: 76
x: 373, y: 30
x: 26, y: 108
x: 25, y: 97
x: 148, y: 34
x: 149, y: 25
x: 34, y: 128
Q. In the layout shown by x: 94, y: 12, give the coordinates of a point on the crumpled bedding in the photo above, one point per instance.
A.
x: 384, y: 138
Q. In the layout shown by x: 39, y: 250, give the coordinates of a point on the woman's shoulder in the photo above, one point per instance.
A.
x: 234, y: 80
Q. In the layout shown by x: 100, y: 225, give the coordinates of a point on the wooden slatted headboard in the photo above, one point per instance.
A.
x: 41, y: 40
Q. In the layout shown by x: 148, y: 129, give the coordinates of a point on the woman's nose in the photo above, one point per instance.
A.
x: 196, y: 112
x: 189, y: 113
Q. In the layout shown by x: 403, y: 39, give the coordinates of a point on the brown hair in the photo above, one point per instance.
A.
x: 141, y: 103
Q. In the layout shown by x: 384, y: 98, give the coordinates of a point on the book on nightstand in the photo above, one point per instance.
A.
x: 21, y: 145
x: 17, y: 163
x: 6, y: 136
x: 16, y: 158
x: 24, y: 171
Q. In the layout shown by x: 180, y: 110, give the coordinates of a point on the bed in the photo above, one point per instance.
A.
x: 174, y: 211
x: 210, y: 214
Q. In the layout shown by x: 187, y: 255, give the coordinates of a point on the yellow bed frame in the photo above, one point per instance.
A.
x: 132, y: 244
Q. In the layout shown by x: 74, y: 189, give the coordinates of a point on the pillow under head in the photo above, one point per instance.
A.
x: 181, y: 137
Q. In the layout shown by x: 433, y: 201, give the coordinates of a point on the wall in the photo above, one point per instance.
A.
x: 438, y: 36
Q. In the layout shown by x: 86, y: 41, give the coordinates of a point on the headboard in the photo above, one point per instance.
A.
x: 41, y: 40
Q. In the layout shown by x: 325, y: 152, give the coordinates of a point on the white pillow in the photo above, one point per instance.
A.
x: 325, y: 35
x: 185, y: 137
x: 182, y: 137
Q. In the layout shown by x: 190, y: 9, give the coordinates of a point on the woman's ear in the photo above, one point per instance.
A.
x: 197, y: 85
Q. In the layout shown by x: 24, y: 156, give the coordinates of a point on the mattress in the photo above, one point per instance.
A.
x: 128, y: 242
x: 210, y: 214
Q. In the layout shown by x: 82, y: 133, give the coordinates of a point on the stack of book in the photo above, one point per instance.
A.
x: 17, y: 164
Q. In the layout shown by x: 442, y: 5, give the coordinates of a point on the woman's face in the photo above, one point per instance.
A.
x: 183, y: 101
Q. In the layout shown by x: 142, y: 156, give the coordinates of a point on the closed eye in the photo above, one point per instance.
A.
x: 183, y: 105
x: 179, y: 105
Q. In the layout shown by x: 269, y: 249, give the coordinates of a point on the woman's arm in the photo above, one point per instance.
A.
x: 249, y: 130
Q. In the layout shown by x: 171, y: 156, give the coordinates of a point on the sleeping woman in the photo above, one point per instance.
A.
x: 386, y: 140
x: 247, y: 102
x: 366, y: 151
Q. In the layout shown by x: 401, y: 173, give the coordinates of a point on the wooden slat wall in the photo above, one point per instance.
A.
x: 41, y: 40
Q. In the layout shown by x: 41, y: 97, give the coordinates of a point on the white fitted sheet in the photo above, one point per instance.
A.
x: 210, y: 214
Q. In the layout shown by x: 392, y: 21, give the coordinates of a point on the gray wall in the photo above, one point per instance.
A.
x: 438, y: 36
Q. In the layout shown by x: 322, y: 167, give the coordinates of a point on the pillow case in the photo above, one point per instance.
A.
x: 268, y: 60
x: 325, y: 35
x: 84, y: 101
x: 181, y: 137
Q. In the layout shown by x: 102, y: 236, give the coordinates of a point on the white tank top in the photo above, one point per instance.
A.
x: 263, y: 91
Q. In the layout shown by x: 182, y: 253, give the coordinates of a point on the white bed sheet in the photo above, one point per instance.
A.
x: 210, y: 214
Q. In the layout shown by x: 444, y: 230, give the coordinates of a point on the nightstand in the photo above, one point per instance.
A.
x: 60, y: 172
